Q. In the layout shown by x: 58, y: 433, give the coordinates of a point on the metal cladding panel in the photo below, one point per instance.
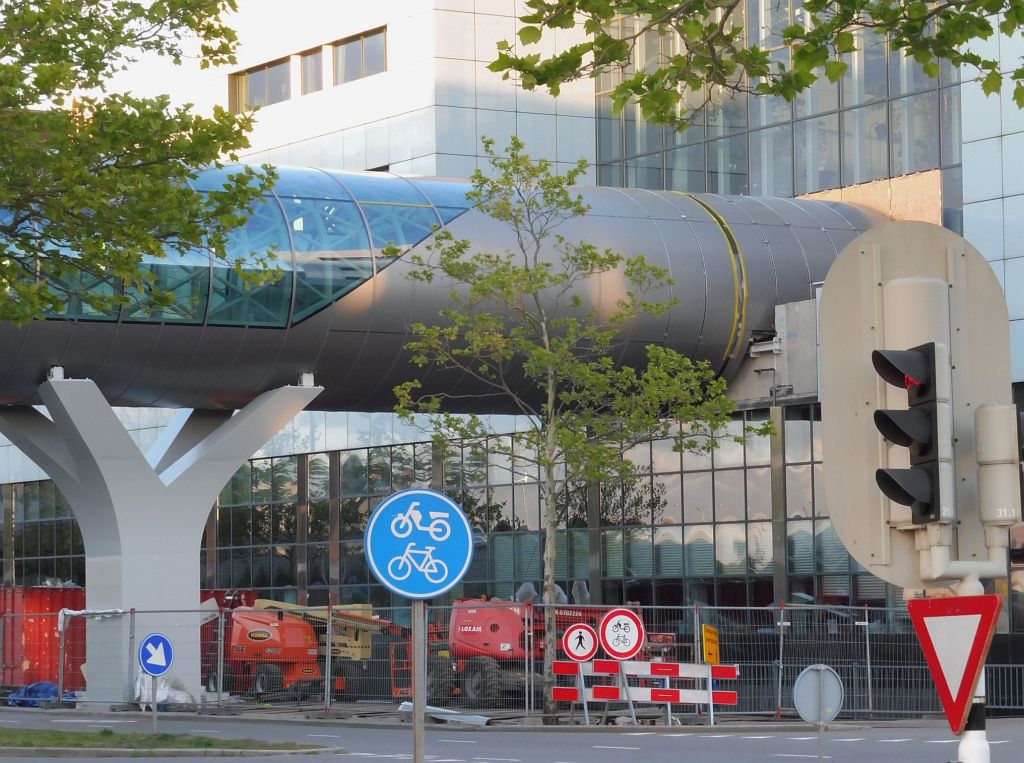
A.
x: 760, y: 286
x: 726, y: 207
x: 657, y: 205
x: 686, y: 266
x: 821, y: 253
x: 722, y: 297
x: 788, y: 260
x: 789, y: 211
x: 760, y: 214
x: 210, y: 373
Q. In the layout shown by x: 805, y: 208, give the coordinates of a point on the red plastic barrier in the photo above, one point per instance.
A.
x: 31, y: 643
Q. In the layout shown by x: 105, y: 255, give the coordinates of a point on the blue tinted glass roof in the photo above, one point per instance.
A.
x: 325, y: 231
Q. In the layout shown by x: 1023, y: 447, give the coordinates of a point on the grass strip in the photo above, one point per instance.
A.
x: 133, y: 741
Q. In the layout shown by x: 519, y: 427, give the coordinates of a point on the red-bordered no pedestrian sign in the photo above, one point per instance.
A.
x: 622, y: 634
x: 579, y: 642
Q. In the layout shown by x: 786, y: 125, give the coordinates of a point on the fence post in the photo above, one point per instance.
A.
x: 867, y: 650
x: 328, y: 649
x: 62, y: 626
x: 220, y: 658
x: 782, y: 624
x: 528, y: 657
x: 131, y: 654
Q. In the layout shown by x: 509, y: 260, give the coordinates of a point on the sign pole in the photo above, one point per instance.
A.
x: 419, y: 690
x: 973, y: 747
x: 152, y: 698
x: 583, y: 692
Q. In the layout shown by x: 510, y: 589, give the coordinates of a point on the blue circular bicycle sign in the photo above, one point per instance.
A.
x: 419, y: 543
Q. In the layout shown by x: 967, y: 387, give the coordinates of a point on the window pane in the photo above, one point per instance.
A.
x: 641, y: 136
x: 760, y: 552
x: 668, y: 506
x: 347, y: 61
x: 645, y: 172
x: 700, y: 550
x: 278, y: 82
x: 374, y: 61
x: 729, y: 502
x: 256, y: 89
x: 800, y: 547
x: 697, y: 502
x: 819, y: 98
x: 401, y: 226
x: 865, y: 144
x: 914, y: 129
x: 817, y: 154
x: 798, y: 491
x: 668, y: 542
x: 949, y: 125
x: 727, y: 165
x: 771, y: 162
x: 759, y: 493
x: 865, y: 79
x: 312, y: 72
x: 609, y: 131
x: 731, y: 549
x: 684, y: 169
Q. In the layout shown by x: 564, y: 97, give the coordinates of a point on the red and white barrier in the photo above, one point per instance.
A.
x: 666, y: 671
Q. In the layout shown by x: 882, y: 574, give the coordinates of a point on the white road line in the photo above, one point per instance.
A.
x: 613, y: 747
x: 1001, y: 741
x: 84, y: 720
x: 716, y: 736
x: 10, y: 721
x: 458, y: 741
x: 677, y: 735
x: 760, y: 737
x: 794, y: 755
x: 801, y: 739
x: 326, y: 736
x: 509, y: 760
x: 893, y: 741
x: 848, y: 739
x: 941, y: 741
x: 205, y: 731
x: 638, y: 733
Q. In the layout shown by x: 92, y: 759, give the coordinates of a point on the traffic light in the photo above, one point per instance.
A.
x: 924, y: 428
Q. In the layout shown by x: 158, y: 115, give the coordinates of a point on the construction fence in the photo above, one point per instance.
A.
x: 484, y: 656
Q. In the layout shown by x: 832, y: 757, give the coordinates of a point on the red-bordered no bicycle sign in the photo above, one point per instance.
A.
x: 579, y: 642
x: 622, y: 634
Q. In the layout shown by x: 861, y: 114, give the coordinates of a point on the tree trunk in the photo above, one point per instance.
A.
x: 549, y: 598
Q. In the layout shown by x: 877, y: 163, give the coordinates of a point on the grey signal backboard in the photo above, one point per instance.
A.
x: 894, y: 287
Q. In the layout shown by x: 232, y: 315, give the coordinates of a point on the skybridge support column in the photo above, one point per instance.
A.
x: 142, y: 515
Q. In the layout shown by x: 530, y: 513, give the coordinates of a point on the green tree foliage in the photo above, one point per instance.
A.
x: 713, y: 55
x: 93, y: 181
x: 518, y: 325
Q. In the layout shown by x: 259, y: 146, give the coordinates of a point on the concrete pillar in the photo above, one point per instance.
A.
x: 142, y: 515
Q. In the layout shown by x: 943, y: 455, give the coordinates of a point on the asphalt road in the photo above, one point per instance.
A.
x: 922, y: 742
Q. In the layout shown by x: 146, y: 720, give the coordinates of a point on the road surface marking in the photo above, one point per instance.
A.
x: 84, y: 720
x: 205, y: 731
x: 801, y: 739
x: 613, y: 747
x: 794, y: 755
x: 848, y: 739
x: 677, y: 735
x: 458, y: 741
x: 716, y: 736
x: 509, y: 760
x: 760, y: 737
x: 1001, y: 741
x: 638, y: 733
x: 941, y: 741
x: 328, y: 736
x: 893, y: 741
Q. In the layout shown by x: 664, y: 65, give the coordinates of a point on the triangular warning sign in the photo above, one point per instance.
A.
x: 955, y: 635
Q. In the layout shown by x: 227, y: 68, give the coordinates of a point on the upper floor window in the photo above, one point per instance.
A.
x: 359, y: 57
x: 312, y: 71
x: 262, y: 85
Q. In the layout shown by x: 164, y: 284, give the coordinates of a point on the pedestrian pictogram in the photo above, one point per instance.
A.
x: 579, y: 642
x: 955, y: 636
x: 156, y: 654
x: 622, y: 634
x: 419, y: 543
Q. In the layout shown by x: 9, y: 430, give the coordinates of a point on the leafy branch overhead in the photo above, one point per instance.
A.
x: 714, y: 48
x: 94, y: 182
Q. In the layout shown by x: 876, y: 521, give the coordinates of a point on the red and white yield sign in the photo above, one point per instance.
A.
x: 622, y: 633
x: 955, y: 635
x: 579, y: 642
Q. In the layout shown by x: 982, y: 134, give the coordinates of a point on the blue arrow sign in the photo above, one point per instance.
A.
x: 156, y: 654
x: 419, y: 543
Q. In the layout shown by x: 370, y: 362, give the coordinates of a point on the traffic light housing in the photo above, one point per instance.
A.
x: 924, y: 428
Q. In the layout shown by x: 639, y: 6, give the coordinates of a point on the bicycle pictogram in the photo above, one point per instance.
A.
x: 422, y: 560
x: 412, y: 519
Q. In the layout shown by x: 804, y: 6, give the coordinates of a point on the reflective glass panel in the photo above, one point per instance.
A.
x: 760, y: 552
x: 684, y: 169
x: 800, y: 547
x: 374, y: 60
x: 278, y: 82
x: 697, y: 503
x: 443, y: 193
x: 700, y: 550
x: 381, y: 186
x: 332, y: 252
x: 668, y: 551
x: 865, y: 78
x: 312, y: 72
x: 233, y: 301
x: 731, y: 549
x: 348, y: 61
x: 816, y: 150
x: 865, y: 144
x: 730, y: 504
x: 309, y: 183
x: 645, y: 172
x: 256, y: 89
x: 771, y: 161
x: 727, y: 165
x: 914, y: 133
x: 400, y: 226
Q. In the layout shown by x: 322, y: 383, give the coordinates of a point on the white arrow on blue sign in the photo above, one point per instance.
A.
x: 156, y: 654
x: 419, y: 543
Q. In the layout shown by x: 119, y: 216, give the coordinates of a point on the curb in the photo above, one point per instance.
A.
x: 122, y: 752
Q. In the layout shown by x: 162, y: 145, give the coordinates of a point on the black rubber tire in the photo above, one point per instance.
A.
x: 229, y: 679
x: 481, y: 684
x: 439, y: 681
x: 354, y: 680
x: 268, y: 679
